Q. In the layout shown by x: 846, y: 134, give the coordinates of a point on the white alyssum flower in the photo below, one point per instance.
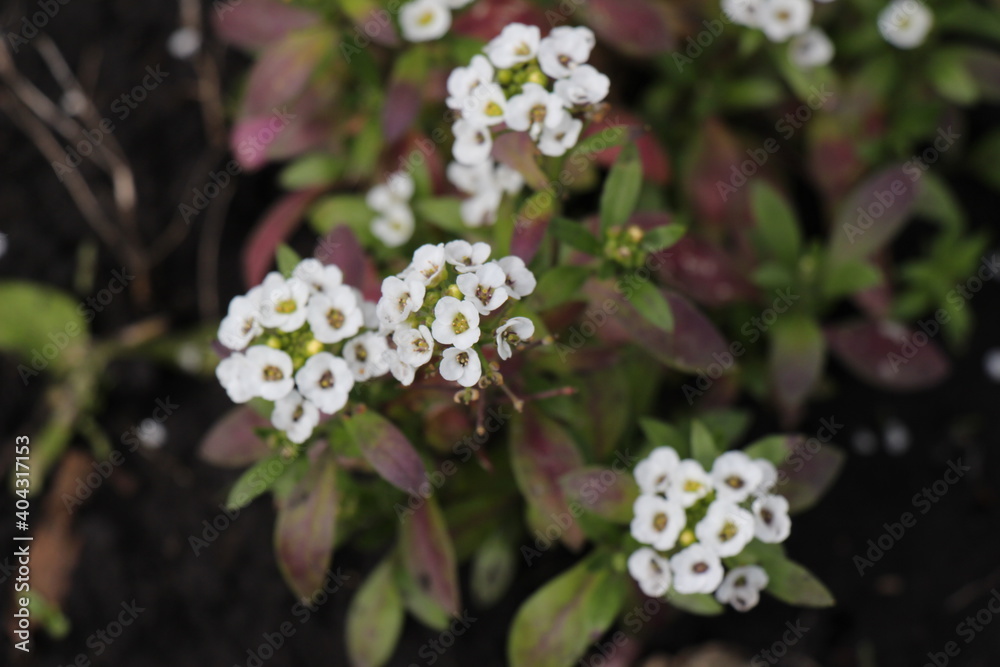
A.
x: 427, y: 265
x: 472, y: 178
x: 534, y: 109
x: 463, y: 80
x: 768, y: 476
x: 517, y: 43
x: 402, y: 371
x: 455, y: 323
x: 326, y: 381
x: 269, y: 372
x: 735, y: 476
x: 465, y: 256
x: 400, y: 298
x: 335, y: 315
x: 696, y: 569
x: 283, y: 302
x: 811, y: 49
x: 657, y: 522
x: 485, y: 105
x: 233, y: 373
x: 771, y: 521
x: 424, y: 20
x: 481, y: 209
x: 583, y: 87
x: 742, y: 586
x: 394, y: 226
x: 396, y: 191
x: 461, y: 366
x: 689, y: 483
x: 905, y: 23
x: 321, y: 278
x: 521, y: 281
x: 473, y: 143
x: 743, y: 12
x: 508, y: 179
x: 726, y: 529
x: 564, y: 49
x: 511, y: 333
x: 555, y: 141
x: 366, y: 356
x: 781, y: 19
x: 651, y: 571
x: 414, y: 346
x: 241, y: 323
x: 485, y: 288
x: 296, y: 416
x: 653, y: 473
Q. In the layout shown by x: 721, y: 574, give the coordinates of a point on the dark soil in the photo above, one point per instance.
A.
x: 212, y: 608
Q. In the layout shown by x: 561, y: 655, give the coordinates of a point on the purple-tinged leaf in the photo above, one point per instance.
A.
x: 542, y: 452
x: 636, y: 27
x: 604, y: 491
x: 655, y: 162
x: 304, y: 530
x: 796, y: 361
x: 283, y: 71
x: 388, y: 451
x: 807, y: 468
x: 704, y: 272
x: 485, y: 19
x: 717, y: 186
x: 888, y: 354
x: 873, y: 214
x: 428, y: 556
x: 402, y: 105
x: 518, y: 151
x: 341, y: 247
x: 375, y: 618
x: 271, y: 231
x: 254, y: 24
x: 532, y: 223
x: 232, y: 442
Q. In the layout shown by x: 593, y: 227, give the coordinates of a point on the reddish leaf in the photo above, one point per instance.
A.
x: 532, y: 222
x: 873, y: 214
x: 304, y: 530
x: 341, y: 247
x: 655, y: 162
x: 704, y: 272
x: 635, y: 27
x: 429, y: 556
x: 231, y: 442
x: 387, y: 450
x: 283, y: 70
x: 282, y: 132
x: 889, y: 355
x: 273, y: 229
x: 715, y: 181
x: 402, y: 104
x: 485, y: 19
x: 253, y: 24
x: 835, y: 161
x: 796, y: 363
x: 517, y: 151
x: 808, y: 471
x: 542, y: 452
x: 371, y: 22
x: 603, y: 491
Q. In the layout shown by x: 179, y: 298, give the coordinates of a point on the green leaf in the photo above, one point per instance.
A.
x: 257, y: 479
x: 576, y: 236
x: 663, y: 237
x: 850, y: 277
x: 557, y: 624
x: 798, y: 351
x: 983, y: 163
x: 794, y: 584
x: 726, y: 425
x: 494, y: 566
x: 387, y: 449
x: 603, y: 491
x: 807, y: 472
x: 950, y: 77
x: 287, y: 259
x: 649, y: 301
x: 661, y: 434
x: 442, y: 212
x: 311, y: 171
x: 937, y: 202
x: 375, y: 618
x: 703, y: 448
x: 776, y: 223
x: 753, y: 93
x: 559, y: 285
x: 428, y: 556
x: 697, y: 603
x: 44, y: 318
x: 350, y: 210
x: 621, y: 190
x: 872, y: 214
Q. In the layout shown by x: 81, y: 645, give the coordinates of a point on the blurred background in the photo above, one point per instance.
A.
x: 140, y: 247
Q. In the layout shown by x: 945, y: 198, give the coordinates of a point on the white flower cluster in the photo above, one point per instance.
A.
x: 905, y: 23
x: 692, y: 519
x: 304, y: 341
x: 426, y: 20
x: 523, y: 83
x: 394, y: 223
x: 781, y: 20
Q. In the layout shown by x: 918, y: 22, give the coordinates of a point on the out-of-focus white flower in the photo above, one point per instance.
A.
x: 283, y: 302
x: 399, y: 299
x: 465, y: 256
x: 335, y: 316
x: 697, y: 569
x: 296, y: 416
x: 428, y: 263
x: 564, y: 49
x: 584, y: 86
x: 472, y: 178
x: 534, y: 109
x: 743, y: 12
x: 768, y: 476
x: 397, y: 190
x: 402, y: 371
x: 781, y: 19
x: 520, y: 280
x: 366, y: 356
x: 772, y: 523
x: 555, y: 141
x: 241, y: 323
x: 321, y: 278
x: 653, y: 473
x: 508, y: 179
x: 455, y: 323
x: 395, y: 226
x: 726, y: 529
x: 742, y: 586
x: 481, y: 209
x: 511, y: 333
x: 325, y: 380
x: 414, y: 346
x: 461, y: 366
x: 233, y: 373
x: 269, y: 372
x: 484, y: 288
x: 463, y: 80
x: 184, y: 43
x: 735, y: 476
x: 651, y: 571
x: 473, y: 143
x: 517, y: 43
x: 485, y: 105
x: 905, y: 23
x: 152, y: 433
x: 811, y: 49
x: 657, y: 522
x: 424, y: 20
x: 689, y: 483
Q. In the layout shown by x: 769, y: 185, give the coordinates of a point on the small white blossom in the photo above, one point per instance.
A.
x: 772, y: 523
x: 414, y: 346
x: 269, y: 372
x: 742, y: 586
x: 511, y: 333
x: 520, y: 280
x: 400, y: 298
x: 653, y: 473
x: 296, y: 416
x: 651, y: 571
x: 517, y: 43
x: 564, y: 49
x: 455, y: 323
x: 472, y: 178
x: 465, y: 256
x: 463, y: 80
x: 726, y: 529
x: 508, y: 179
x: 473, y: 143
x: 402, y: 371
x: 325, y: 380
x: 583, y: 87
x: 321, y: 278
x: 768, y: 476
x: 233, y: 373
x: 283, y: 302
x: 424, y: 20
x: 366, y: 356
x: 484, y: 288
x: 241, y: 323
x: 657, y: 522
x: 394, y: 226
x: 689, y: 483
x: 534, y: 109
x: 905, y: 23
x: 461, y: 366
x: 481, y: 209
x: 428, y: 263
x: 735, y: 476
x: 781, y: 19
x: 811, y: 49
x: 743, y: 12
x: 485, y: 105
x: 336, y: 315
x: 697, y: 569
x: 555, y: 141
